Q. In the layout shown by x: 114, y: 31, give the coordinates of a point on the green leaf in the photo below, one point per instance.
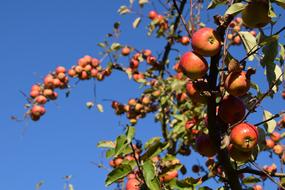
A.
x: 178, y: 85
x: 249, y: 42
x: 215, y: 3
x: 39, y: 184
x: 154, y: 150
x: 281, y: 54
x: 272, y: 73
x: 121, y: 144
x: 270, y: 50
x: 235, y: 8
x: 100, y: 108
x: 70, y: 187
x: 251, y: 180
x: 124, y: 10
x: 136, y: 22
x: 261, y: 139
x: 151, y: 141
x: 110, y: 153
x: 118, y: 173
x: 149, y: 174
x: 115, y: 46
x: 270, y: 125
x: 106, y: 144
x: 267, y: 40
x: 102, y: 45
x: 130, y: 133
x: 205, y: 188
x: 281, y: 3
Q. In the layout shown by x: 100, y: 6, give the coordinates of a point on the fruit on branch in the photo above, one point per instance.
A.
x: 231, y: 109
x: 152, y: 14
x: 206, y: 42
x: 234, y: 66
x: 283, y: 94
x: 278, y: 149
x: 133, y: 184
x: 125, y: 51
x: 238, y: 155
x: 190, y: 124
x: 205, y: 146
x: 257, y: 187
x: 244, y: 137
x: 193, y: 65
x: 168, y: 176
x: 194, y: 94
x: 195, y: 168
x: 237, y: 83
x: 184, y: 40
x: 275, y: 136
x: 255, y: 14
x: 269, y: 143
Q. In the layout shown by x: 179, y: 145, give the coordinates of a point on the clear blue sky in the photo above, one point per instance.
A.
x: 36, y: 36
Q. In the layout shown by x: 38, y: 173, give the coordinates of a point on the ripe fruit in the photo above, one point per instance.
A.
x: 205, y: 146
x: 196, y: 168
x: 257, y: 187
x: 255, y: 15
x: 283, y: 94
x: 193, y: 94
x: 193, y: 65
x: 278, y: 149
x: 269, y: 143
x: 238, y: 155
x: 152, y: 15
x: 237, y: 40
x: 60, y: 69
x: 185, y: 40
x: 125, y: 51
x: 169, y: 176
x: 147, y: 53
x: 237, y: 83
x: 41, y: 99
x: 231, y: 109
x: 244, y: 137
x: 34, y: 93
x: 206, y: 42
x: 275, y: 136
x: 133, y: 184
x: 38, y: 110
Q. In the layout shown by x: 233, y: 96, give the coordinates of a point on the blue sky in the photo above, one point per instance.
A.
x: 36, y: 36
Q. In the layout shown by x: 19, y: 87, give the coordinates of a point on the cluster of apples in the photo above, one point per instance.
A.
x: 243, y: 137
x: 135, y: 108
x: 88, y: 67
x: 235, y: 27
x: 159, y: 20
x: 44, y: 92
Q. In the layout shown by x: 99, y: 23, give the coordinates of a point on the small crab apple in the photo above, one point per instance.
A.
x: 269, y: 143
x: 275, y: 136
x: 60, y: 69
x: 283, y: 94
x: 152, y: 14
x: 244, y: 137
x: 168, y: 176
x: 184, y: 40
x: 147, y: 53
x: 278, y: 149
x: 257, y: 187
x: 38, y: 110
x: 133, y: 184
x: 237, y: 83
x: 237, y: 40
x: 231, y: 109
x: 125, y: 51
x: 41, y: 99
x: 193, y: 65
x: 206, y: 42
x: 194, y: 94
x: 205, y: 146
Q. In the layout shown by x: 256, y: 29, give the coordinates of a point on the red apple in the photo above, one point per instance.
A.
x: 194, y: 94
x: 193, y: 65
x: 275, y: 136
x: 206, y: 42
x: 205, y: 146
x: 133, y: 184
x: 169, y: 176
x: 237, y: 83
x: 231, y: 109
x: 244, y: 137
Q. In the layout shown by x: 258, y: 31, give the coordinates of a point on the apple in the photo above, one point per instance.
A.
x: 185, y: 40
x: 238, y: 155
x: 152, y: 14
x: 60, y: 69
x: 41, y: 99
x: 269, y: 143
x: 283, y: 94
x: 231, y: 109
x: 205, y: 146
x: 206, y: 42
x: 255, y: 14
x: 125, y: 51
x: 194, y: 94
x: 257, y: 187
x: 278, y: 149
x: 244, y: 137
x: 237, y: 83
x: 275, y: 136
x: 168, y: 176
x: 133, y: 184
x: 193, y: 65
